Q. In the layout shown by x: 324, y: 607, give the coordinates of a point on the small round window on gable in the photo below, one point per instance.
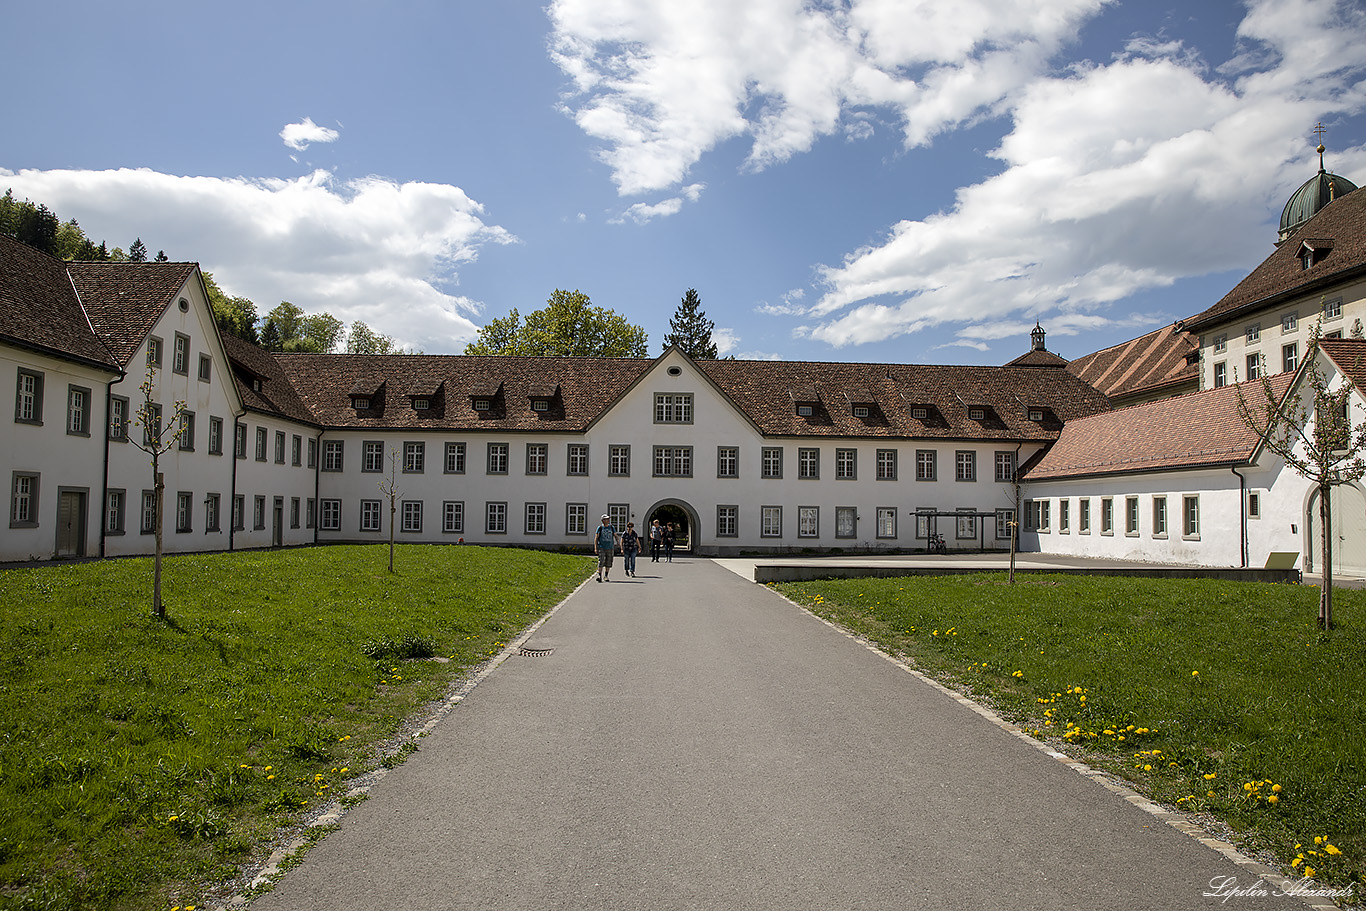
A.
x: 675, y: 371
x: 184, y: 305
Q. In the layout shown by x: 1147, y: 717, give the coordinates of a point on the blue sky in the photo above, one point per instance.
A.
x: 870, y: 180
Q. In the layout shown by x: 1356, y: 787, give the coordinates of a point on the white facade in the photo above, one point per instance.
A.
x: 741, y: 489
x: 53, y: 454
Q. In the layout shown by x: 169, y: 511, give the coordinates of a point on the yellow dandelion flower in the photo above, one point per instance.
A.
x: 1273, y: 799
x: 1308, y: 871
x: 1330, y: 849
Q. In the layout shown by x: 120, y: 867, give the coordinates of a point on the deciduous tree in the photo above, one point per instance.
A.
x: 158, y: 435
x: 1311, y: 429
x: 568, y: 326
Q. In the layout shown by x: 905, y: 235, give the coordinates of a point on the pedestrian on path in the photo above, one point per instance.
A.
x: 605, y: 543
x: 656, y: 540
x: 669, y: 542
x: 630, y: 544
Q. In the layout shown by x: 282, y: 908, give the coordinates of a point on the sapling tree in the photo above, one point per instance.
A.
x: 1311, y: 428
x: 157, y: 438
x: 389, y: 487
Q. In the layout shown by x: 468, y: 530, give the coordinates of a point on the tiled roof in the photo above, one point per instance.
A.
x: 1338, y: 230
x: 1146, y: 365
x: 760, y: 390
x: 39, y: 308
x: 588, y: 386
x: 1200, y: 430
x: 1038, y: 357
x: 277, y: 395
x: 124, y: 300
x: 763, y: 391
x: 1350, y: 356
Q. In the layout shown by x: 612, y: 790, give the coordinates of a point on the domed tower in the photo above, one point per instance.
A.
x: 1315, y: 193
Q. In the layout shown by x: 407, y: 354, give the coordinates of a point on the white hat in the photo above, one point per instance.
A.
x: 606, y: 516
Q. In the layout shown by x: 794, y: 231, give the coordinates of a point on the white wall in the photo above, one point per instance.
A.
x: 62, y: 460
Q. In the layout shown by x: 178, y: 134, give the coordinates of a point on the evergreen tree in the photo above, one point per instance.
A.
x: 162, y: 257
x: 137, y: 253
x: 690, y: 330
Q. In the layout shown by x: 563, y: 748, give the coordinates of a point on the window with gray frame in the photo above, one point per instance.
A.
x: 886, y: 522
x: 496, y: 518
x: 537, y: 460
x: 118, y: 419
x: 727, y: 521
x: 808, y: 463
x: 576, y: 519
x: 673, y: 408
x: 453, y: 517
x: 846, y: 522
x: 619, y: 461
x: 28, y: 397
x: 771, y: 462
x: 371, y: 515
x: 372, y: 455
x: 925, y: 464
x: 728, y: 461
x: 770, y: 521
x: 455, y: 458
x: 577, y: 459
x: 412, y: 516
x: 808, y: 521
x: 673, y: 461
x: 414, y: 457
x: 535, y: 518
x: 114, y: 510
x: 846, y: 464
x: 23, y: 508
x: 498, y: 464
x: 330, y: 517
x: 78, y: 410
x: 333, y: 451
x: 886, y: 464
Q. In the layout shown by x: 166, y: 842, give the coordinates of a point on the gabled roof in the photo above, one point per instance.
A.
x: 1349, y: 354
x: 1340, y: 225
x: 1038, y: 357
x: 1160, y: 360
x: 761, y: 391
x: 40, y: 310
x: 277, y: 395
x: 1199, y: 430
x: 124, y: 300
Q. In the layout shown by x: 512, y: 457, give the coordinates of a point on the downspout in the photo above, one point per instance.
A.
x: 1242, y: 513
x: 232, y: 497
x: 317, y: 482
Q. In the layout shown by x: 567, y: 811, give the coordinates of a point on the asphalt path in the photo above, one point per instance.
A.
x: 695, y: 741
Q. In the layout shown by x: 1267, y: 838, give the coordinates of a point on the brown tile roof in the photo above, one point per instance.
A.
x: 1339, y: 230
x: 760, y: 390
x: 1038, y: 357
x: 763, y: 391
x: 124, y: 300
x: 1350, y: 356
x: 1146, y: 365
x: 277, y: 395
x: 587, y: 387
x: 1200, y: 430
x: 39, y: 309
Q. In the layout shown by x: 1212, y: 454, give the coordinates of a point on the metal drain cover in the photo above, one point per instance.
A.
x: 529, y: 652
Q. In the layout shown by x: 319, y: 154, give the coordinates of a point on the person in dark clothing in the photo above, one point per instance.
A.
x: 656, y: 540
x: 669, y: 538
x: 630, y: 545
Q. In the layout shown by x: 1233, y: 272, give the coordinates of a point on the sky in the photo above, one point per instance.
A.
x: 904, y: 181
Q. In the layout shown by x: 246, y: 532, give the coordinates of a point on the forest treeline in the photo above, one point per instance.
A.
x: 285, y: 328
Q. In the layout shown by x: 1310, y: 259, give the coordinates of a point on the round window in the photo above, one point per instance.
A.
x: 184, y: 305
x: 675, y: 371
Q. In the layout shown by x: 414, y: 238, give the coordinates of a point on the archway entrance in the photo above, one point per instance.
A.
x: 1349, y: 531
x: 684, y: 517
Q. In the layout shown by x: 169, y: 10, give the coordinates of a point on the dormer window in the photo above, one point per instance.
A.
x: 977, y: 414
x: 482, y: 404
x: 421, y: 404
x: 540, y: 405
x: 256, y: 384
x: 1036, y: 414
x: 1306, y: 257
x: 360, y: 403
x: 862, y: 411
x: 805, y: 411
x: 920, y: 414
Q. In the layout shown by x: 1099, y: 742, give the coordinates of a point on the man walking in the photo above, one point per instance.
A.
x: 605, y: 543
x: 656, y: 540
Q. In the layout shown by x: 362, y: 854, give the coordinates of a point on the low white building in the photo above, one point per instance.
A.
x: 1186, y: 480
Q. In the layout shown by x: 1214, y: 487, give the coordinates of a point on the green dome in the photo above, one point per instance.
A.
x: 1313, y: 195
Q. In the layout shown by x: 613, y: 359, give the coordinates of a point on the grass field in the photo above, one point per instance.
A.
x: 141, y: 760
x: 1217, y: 697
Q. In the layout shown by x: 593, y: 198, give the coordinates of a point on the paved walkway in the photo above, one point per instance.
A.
x: 697, y: 742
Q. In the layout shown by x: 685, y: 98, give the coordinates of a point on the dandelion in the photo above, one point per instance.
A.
x: 1273, y: 799
x: 1331, y: 850
x: 1275, y: 789
x: 1308, y: 871
x: 1195, y: 673
x: 1211, y: 776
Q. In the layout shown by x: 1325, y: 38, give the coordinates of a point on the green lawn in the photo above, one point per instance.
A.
x: 141, y: 760
x: 1218, y: 697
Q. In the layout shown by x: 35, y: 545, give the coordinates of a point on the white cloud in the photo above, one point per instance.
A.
x: 368, y: 249
x: 726, y: 341
x: 790, y: 304
x: 1118, y: 178
x: 661, y: 83
x: 298, y: 136
x: 641, y: 213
